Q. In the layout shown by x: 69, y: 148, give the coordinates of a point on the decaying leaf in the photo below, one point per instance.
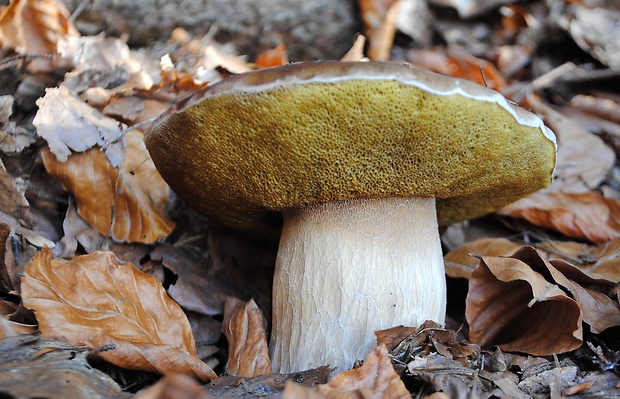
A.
x: 11, y: 198
x: 174, y: 387
x: 244, y: 327
x: 32, y: 367
x: 587, y: 216
x: 273, y: 57
x: 459, y: 65
x: 513, y: 306
x: 379, y: 17
x: 597, y: 262
x: 34, y: 27
x: 13, y: 139
x: 126, y: 204
x: 406, y: 343
x: 96, y: 301
x: 596, y: 30
x: 461, y: 262
x: 69, y: 125
x: 298, y: 391
x: 583, y: 159
x: 375, y: 379
x: 470, y: 8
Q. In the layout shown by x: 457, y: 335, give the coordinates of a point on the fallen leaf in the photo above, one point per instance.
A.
x: 375, y: 379
x: 244, y: 327
x: 96, y: 301
x: 586, y: 263
x: 32, y: 367
x: 587, y: 216
x: 470, y: 8
x: 273, y: 57
x: 270, y: 385
x: 34, y: 27
x: 356, y: 52
x: 298, y: 391
x: 98, y: 53
x: 379, y: 17
x: 130, y: 202
x: 459, y: 65
x: 461, y: 262
x: 583, y: 159
x: 407, y: 343
x: 596, y: 30
x: 174, y: 386
x: 13, y: 139
x: 70, y: 125
x: 513, y: 306
x: 12, y: 200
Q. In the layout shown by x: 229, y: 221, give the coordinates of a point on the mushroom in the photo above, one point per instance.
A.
x: 361, y: 161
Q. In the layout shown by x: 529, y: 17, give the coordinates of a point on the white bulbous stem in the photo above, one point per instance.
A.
x: 347, y: 269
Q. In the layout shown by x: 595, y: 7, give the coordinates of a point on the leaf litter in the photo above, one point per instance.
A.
x: 527, y: 294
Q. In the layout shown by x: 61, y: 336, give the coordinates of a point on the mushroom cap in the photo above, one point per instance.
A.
x: 252, y: 145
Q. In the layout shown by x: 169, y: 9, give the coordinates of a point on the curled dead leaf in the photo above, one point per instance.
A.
x: 298, y: 391
x: 587, y: 263
x: 462, y: 261
x: 375, y: 379
x: 244, y: 327
x: 96, y: 301
x: 273, y: 57
x: 511, y: 305
x: 126, y: 204
x: 587, y: 216
x: 34, y: 27
x: 583, y: 159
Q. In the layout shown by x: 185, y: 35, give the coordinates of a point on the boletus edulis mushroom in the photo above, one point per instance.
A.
x: 361, y: 161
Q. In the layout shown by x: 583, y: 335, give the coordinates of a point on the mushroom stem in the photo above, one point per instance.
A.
x: 349, y: 268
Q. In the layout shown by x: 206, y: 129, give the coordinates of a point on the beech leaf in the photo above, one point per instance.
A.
x: 586, y: 263
x: 513, y: 306
x: 126, y: 204
x: 586, y: 216
x: 375, y: 379
x: 69, y: 125
x: 462, y: 261
x: 244, y: 327
x: 96, y: 300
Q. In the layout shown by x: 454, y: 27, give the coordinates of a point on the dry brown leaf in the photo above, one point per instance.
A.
x: 126, y: 204
x: 513, y: 306
x: 69, y: 125
x: 95, y: 300
x: 10, y: 313
x: 375, y: 379
x: 597, y: 309
x: 470, y: 8
x: 596, y: 31
x: 379, y: 18
x: 273, y: 57
x: 587, y: 216
x: 13, y: 138
x: 244, y: 327
x: 11, y: 198
x: 35, y: 367
x: 356, y: 52
x: 461, y: 262
x: 34, y: 27
x: 583, y: 159
x: 175, y: 386
x: 298, y: 391
x: 587, y: 263
x: 458, y: 65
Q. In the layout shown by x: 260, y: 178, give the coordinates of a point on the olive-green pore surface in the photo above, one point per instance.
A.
x: 237, y: 156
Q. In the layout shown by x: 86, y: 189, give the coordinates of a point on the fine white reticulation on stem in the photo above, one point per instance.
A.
x: 349, y: 268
